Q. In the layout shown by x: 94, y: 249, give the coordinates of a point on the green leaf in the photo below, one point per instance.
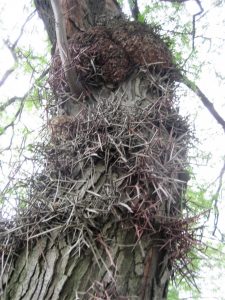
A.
x: 141, y: 18
x: 173, y: 294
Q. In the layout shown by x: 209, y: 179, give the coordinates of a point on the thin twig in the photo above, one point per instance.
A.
x: 215, y: 204
x: 16, y: 98
x: 12, y: 50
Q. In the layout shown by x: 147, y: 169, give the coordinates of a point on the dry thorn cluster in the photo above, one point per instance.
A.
x: 108, y: 54
x: 115, y: 159
x: 108, y: 160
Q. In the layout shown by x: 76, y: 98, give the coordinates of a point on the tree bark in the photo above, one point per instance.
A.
x: 119, y: 264
x: 122, y: 269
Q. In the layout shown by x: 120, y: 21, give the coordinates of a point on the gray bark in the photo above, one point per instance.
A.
x: 119, y: 265
x: 126, y: 269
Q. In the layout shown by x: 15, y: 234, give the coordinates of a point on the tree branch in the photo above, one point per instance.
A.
x: 201, y: 10
x: 8, y: 72
x: 134, y: 9
x: 17, y: 114
x: 6, y: 75
x: 209, y: 105
x: 10, y: 101
x: 21, y: 105
x: 193, y: 22
x: 12, y: 47
x: 190, y: 84
x: 216, y: 209
x: 16, y: 98
x: 22, y: 29
x: 62, y: 43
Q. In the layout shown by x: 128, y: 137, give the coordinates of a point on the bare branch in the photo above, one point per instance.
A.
x: 11, y: 101
x: 12, y: 69
x: 6, y: 75
x: 62, y: 43
x: 201, y: 10
x: 209, y: 105
x: 134, y: 9
x: 17, y: 114
x: 21, y: 100
x: 12, y: 50
x: 22, y: 29
x: 16, y: 98
x: 193, y: 22
x: 220, y: 185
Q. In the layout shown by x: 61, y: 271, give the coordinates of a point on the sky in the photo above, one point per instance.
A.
x: 210, y: 135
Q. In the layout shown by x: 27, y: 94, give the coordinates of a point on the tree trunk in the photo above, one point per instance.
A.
x: 125, y: 253
x: 122, y: 269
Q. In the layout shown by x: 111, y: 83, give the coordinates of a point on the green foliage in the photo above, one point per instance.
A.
x: 141, y: 18
x: 197, y: 200
x: 120, y: 2
x: 173, y: 293
x: 177, y: 5
x: 31, y: 148
x: 176, y: 31
x: 30, y: 62
x: 33, y: 99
